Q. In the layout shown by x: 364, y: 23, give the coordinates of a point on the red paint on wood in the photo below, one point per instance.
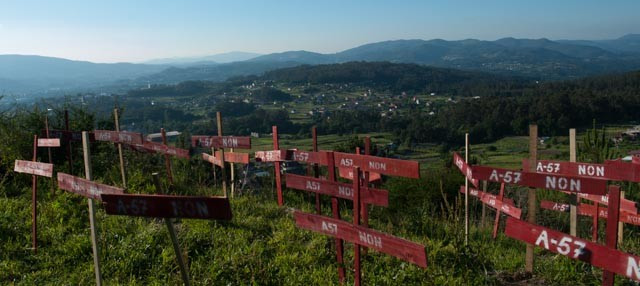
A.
x: 271, y: 156
x: 212, y: 159
x: 611, y: 170
x: 221, y: 142
x: 480, y: 194
x: 398, y: 247
x: 335, y: 211
x: 276, y: 146
x: 166, y: 206
x: 465, y: 169
x: 125, y: 137
x: 575, y: 248
x: 625, y: 205
x: 611, y: 237
x: 347, y: 173
x: 85, y: 187
x: 33, y: 168
x: 66, y: 136
x: 165, y: 149
x: 48, y: 142
x: 336, y: 189
x: 542, y: 181
x: 386, y: 166
x: 234, y: 157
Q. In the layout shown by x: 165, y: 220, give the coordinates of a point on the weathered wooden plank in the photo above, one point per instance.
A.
x: 576, y: 248
x: 347, y: 173
x: 386, y: 166
x: 125, y: 137
x: 464, y: 168
x: 212, y: 159
x: 33, y: 168
x: 48, y: 142
x: 542, y: 181
x: 166, y: 150
x: 221, y: 142
x: 480, y: 194
x: 505, y: 205
x: 336, y: 189
x: 65, y: 136
x: 611, y: 170
x: 167, y: 206
x: 398, y: 247
x: 590, y: 210
x: 84, y: 187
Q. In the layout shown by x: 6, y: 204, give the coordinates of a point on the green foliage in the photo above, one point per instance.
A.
x: 596, y: 146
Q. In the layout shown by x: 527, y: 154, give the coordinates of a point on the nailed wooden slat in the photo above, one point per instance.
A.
x: 600, y: 256
x: 84, y: 187
x: 398, y: 247
x: 167, y: 206
x: 611, y: 170
x: 33, y: 168
x: 125, y: 137
x: 221, y: 142
x: 336, y: 189
x: 464, y: 168
x: 48, y: 142
x: 542, y: 181
x: 386, y: 166
x: 505, y: 205
x: 347, y: 173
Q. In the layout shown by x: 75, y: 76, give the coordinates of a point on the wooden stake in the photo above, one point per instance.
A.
x: 184, y: 271
x: 484, y: 211
x: 276, y: 146
x: 66, y: 127
x: 34, y: 200
x: 167, y: 157
x: 573, y: 209
x: 122, y: 171
x: 316, y: 170
x: 92, y: 211
x: 613, y: 217
x: 356, y: 221
x: 223, y: 171
x: 335, y: 209
x: 594, y: 231
x: 365, y: 182
x: 496, y: 223
x: 621, y: 224
x: 46, y: 130
x: 466, y: 191
x: 531, y: 197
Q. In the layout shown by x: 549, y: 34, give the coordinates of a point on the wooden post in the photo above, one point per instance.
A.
x: 316, y: 170
x: 594, y: 231
x: 222, y: 168
x: 466, y: 191
x: 167, y: 158
x: 621, y: 224
x: 335, y: 209
x: 66, y: 127
x: 356, y: 221
x: 122, y: 171
x: 613, y: 217
x: 92, y: 211
x: 365, y: 182
x: 184, y: 271
x: 34, y: 200
x: 496, y: 223
x: 276, y: 146
x: 215, y: 174
x: 531, y: 200
x: 484, y: 211
x: 573, y: 209
x: 46, y: 130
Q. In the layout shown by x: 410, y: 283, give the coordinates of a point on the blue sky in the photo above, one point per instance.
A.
x: 137, y: 30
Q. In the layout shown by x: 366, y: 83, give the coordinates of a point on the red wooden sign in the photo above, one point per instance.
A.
x: 118, y: 137
x: 164, y: 149
x: 337, y: 189
x: 271, y: 156
x: 387, y: 166
x: 85, y: 187
x: 542, y: 181
x: 625, y: 204
x: 398, y: 247
x: 65, y: 136
x: 221, y: 142
x: 34, y: 168
x: 506, y: 205
x: 167, y: 206
x: 590, y: 210
x: 611, y: 170
x: 464, y: 168
x: 309, y: 157
x: 347, y: 173
x: 233, y: 157
x: 212, y: 159
x: 49, y: 142
x: 575, y: 248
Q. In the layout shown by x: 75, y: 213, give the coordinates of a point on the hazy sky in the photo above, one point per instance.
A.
x: 137, y: 30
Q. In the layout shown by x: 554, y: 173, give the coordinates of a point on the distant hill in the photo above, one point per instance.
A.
x: 212, y: 59
x: 627, y: 44
x: 33, y: 74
